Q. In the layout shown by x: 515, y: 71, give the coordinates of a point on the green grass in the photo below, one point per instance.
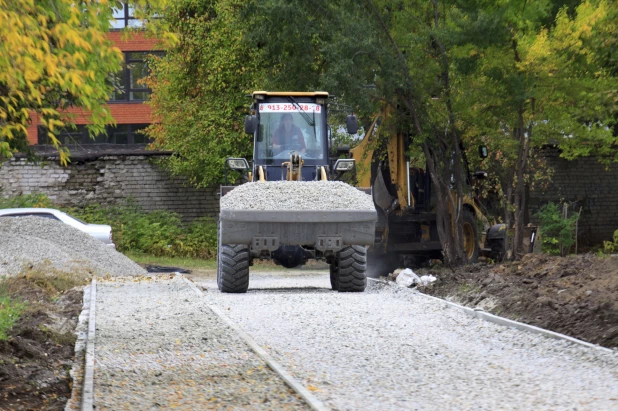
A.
x: 195, y: 263
x: 23, y: 294
x: 9, y: 314
x: 182, y: 262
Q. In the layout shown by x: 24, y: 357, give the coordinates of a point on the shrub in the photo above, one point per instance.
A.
x: 160, y: 233
x: 26, y: 201
x: 201, y: 238
x: 611, y: 247
x: 10, y: 311
x: 558, y: 233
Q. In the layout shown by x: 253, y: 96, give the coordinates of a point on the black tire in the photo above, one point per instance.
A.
x: 497, y: 249
x: 334, y: 276
x: 351, y: 273
x: 470, y: 228
x: 233, y: 268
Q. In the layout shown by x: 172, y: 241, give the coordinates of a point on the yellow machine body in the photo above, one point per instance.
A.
x: 389, y: 153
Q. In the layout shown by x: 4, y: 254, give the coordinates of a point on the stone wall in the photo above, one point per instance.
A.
x: 108, y: 180
x: 590, y: 185
x: 111, y: 178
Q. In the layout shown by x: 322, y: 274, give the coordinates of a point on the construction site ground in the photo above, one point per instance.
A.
x: 36, y: 358
x: 575, y: 295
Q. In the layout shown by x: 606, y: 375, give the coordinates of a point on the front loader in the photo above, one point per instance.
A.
x: 294, y: 154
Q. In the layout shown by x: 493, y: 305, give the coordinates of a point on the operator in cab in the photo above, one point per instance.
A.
x: 288, y: 137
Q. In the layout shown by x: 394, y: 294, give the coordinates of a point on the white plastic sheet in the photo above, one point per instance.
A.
x: 407, y: 278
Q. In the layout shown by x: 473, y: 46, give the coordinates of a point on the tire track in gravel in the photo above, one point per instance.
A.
x: 158, y: 346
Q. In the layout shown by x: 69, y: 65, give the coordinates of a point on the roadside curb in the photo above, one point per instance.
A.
x: 77, y: 370
x: 88, y: 388
x: 484, y: 315
x: 306, y: 395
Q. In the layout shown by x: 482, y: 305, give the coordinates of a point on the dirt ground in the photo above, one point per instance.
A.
x: 36, y: 359
x: 576, y: 295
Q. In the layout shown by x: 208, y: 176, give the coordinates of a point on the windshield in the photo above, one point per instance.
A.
x: 284, y: 128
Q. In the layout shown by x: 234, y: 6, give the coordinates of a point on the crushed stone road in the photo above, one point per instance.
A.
x: 391, y: 349
x: 296, y: 195
x: 159, y: 346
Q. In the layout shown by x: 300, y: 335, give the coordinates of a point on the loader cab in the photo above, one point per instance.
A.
x: 290, y: 122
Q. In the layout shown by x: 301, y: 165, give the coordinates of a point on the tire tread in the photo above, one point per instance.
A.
x: 352, y: 269
x: 233, y: 268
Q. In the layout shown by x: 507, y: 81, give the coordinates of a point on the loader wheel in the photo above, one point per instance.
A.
x: 334, y: 275
x: 233, y: 268
x: 351, y: 272
x: 471, y: 238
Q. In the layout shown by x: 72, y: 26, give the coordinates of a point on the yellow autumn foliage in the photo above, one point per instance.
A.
x: 55, y: 55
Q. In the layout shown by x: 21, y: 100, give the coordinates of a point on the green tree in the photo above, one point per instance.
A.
x: 200, y: 87
x: 530, y: 84
x: 512, y: 74
x: 398, y: 47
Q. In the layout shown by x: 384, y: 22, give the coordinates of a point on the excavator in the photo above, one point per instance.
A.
x: 406, y: 231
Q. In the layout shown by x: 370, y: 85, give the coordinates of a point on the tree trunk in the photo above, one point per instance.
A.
x: 452, y: 156
x: 520, y: 186
x: 443, y: 155
x: 443, y: 192
x: 508, y: 218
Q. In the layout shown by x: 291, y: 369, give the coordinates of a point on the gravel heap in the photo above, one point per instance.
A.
x: 40, y: 242
x: 158, y: 347
x: 297, y: 195
x: 390, y: 348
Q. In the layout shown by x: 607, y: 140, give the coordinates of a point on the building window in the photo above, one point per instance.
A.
x: 66, y: 136
x: 126, y: 134
x: 123, y: 17
x: 119, y: 134
x: 126, y: 82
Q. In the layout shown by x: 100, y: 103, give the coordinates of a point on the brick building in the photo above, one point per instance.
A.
x: 126, y: 103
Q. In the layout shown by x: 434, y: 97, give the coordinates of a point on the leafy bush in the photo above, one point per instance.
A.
x: 26, y: 201
x: 160, y: 233
x: 558, y: 233
x: 611, y: 247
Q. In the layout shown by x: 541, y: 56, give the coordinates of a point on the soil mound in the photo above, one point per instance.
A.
x: 576, y: 295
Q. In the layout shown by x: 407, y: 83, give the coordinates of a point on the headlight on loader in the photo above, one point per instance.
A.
x: 238, y: 164
x: 344, y: 164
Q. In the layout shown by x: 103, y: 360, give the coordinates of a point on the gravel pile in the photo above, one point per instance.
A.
x: 158, y: 346
x: 391, y: 349
x: 297, y: 195
x: 40, y: 242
